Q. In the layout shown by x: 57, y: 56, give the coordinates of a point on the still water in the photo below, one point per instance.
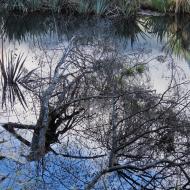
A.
x: 162, y: 44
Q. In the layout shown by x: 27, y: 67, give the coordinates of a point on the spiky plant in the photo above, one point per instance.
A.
x: 161, y: 5
x: 34, y: 5
x: 14, y: 76
x: 55, y: 5
x: 16, y: 4
x: 129, y: 7
x: 84, y: 6
x: 129, y: 29
x: 100, y: 6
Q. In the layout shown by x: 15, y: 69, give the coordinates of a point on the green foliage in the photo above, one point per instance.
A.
x: 55, y: 5
x: 96, y: 6
x: 33, y: 5
x: 140, y: 69
x: 17, y: 4
x: 100, y: 6
x: 128, y: 71
x: 129, y: 29
x: 128, y: 7
x: 161, y: 5
x: 84, y: 6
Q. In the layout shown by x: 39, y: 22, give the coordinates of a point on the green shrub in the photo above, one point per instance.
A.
x: 161, y: 5
x: 128, y: 7
x: 140, y: 69
x: 99, y: 6
x: 33, y: 5
x: 55, y: 5
x: 84, y: 6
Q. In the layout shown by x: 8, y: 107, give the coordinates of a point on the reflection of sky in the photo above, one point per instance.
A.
x: 99, y: 30
x: 160, y: 72
x: 42, y: 47
x: 47, y: 48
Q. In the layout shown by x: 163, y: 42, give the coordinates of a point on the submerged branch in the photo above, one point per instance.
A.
x: 17, y: 126
x: 10, y: 129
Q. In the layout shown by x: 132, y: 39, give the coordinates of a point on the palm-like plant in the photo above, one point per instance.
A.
x: 130, y: 29
x: 161, y: 5
x: 33, y: 5
x: 129, y: 7
x: 16, y: 4
x: 14, y: 75
x: 175, y: 30
x: 84, y: 6
x: 100, y: 6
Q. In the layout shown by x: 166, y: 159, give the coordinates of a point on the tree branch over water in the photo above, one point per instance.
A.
x: 93, y: 110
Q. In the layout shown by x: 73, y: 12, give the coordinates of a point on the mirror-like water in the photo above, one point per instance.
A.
x: 73, y: 89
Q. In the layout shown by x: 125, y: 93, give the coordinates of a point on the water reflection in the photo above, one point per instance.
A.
x: 24, y: 27
x: 175, y: 29
x: 172, y: 32
x: 130, y: 30
x: 91, y: 108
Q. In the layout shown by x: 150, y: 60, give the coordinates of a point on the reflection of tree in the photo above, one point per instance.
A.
x: 94, y: 100
x: 22, y: 27
x: 129, y: 29
x: 173, y: 30
x: 19, y: 27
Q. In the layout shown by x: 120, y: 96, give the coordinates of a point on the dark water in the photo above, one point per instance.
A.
x: 37, y: 37
x: 39, y: 40
x: 168, y: 34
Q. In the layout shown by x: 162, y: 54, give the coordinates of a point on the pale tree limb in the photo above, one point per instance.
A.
x: 38, y: 141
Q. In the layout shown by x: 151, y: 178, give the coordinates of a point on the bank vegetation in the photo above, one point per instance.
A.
x: 126, y: 8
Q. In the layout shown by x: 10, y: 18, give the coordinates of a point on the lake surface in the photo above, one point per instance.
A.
x: 34, y: 34
x: 162, y: 43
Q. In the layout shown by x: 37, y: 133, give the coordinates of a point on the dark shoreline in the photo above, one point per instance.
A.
x: 71, y: 11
